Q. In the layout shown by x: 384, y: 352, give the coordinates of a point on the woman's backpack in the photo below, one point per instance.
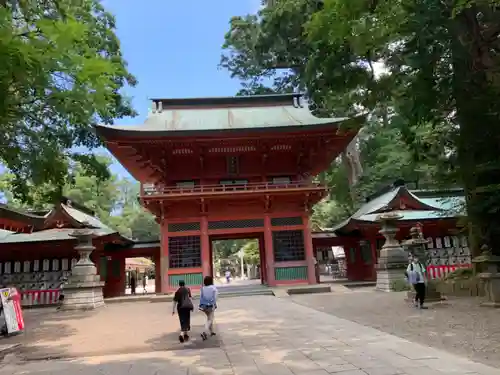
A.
x: 186, y: 302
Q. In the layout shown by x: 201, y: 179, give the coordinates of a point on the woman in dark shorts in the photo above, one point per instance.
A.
x: 184, y: 305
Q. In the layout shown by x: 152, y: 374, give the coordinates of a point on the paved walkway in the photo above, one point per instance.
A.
x: 460, y: 326
x: 271, y: 336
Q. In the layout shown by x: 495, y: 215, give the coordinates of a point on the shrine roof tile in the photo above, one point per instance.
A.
x: 83, y: 217
x: 434, y: 208
x: 57, y: 234
x: 411, y: 215
x: 377, y: 203
x: 454, y: 203
x: 177, y: 120
x: 20, y: 216
x: 4, y: 233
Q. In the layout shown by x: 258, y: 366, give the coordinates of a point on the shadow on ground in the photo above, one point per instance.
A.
x: 131, y: 328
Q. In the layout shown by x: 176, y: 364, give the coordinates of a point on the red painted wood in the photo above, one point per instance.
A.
x: 309, y: 250
x: 298, y: 263
x: 269, y: 252
x: 293, y: 282
x: 206, y: 257
x: 263, y: 260
x: 180, y: 271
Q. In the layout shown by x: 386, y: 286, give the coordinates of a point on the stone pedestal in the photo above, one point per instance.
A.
x: 393, y: 259
x: 416, y: 245
x: 84, y: 288
x: 490, y: 277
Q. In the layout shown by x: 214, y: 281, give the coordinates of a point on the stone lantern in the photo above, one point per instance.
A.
x: 490, y: 277
x: 393, y: 259
x: 84, y: 288
x: 416, y: 245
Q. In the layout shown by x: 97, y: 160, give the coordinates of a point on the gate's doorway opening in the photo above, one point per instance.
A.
x: 240, y: 257
x: 139, y: 276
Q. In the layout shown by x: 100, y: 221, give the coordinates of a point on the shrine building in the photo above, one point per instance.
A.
x: 437, y: 213
x: 37, y: 251
x: 226, y: 168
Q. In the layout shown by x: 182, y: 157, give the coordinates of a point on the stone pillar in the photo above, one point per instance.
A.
x: 490, y: 277
x: 84, y: 288
x: 393, y: 259
x: 416, y: 245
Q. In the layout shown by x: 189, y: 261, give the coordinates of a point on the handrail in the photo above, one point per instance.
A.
x: 252, y: 186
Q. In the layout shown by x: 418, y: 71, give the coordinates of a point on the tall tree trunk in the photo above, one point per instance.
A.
x: 479, y: 141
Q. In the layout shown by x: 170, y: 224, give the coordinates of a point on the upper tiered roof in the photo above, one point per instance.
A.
x: 180, y: 117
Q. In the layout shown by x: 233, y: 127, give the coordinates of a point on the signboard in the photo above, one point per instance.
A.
x: 12, y: 313
x: 338, y: 252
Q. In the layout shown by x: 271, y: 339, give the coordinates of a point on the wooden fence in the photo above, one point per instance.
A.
x: 439, y: 272
x: 47, y: 297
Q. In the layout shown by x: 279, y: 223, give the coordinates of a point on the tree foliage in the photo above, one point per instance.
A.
x: 61, y: 72
x: 114, y: 200
x: 224, y: 249
x: 433, y: 109
x: 251, y: 252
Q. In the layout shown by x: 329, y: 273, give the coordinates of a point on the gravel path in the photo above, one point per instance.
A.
x: 459, y: 326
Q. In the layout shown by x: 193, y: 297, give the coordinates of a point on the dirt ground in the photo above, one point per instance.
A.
x: 459, y: 326
x: 136, y: 327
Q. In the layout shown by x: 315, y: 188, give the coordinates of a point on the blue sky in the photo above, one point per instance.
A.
x: 173, y: 48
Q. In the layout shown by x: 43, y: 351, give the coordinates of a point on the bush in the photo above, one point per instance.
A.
x: 461, y: 283
x: 460, y: 274
x: 400, y: 286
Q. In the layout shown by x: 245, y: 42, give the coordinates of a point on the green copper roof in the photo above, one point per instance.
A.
x: 83, y: 217
x: 432, y: 208
x: 59, y: 234
x: 178, y: 116
x: 56, y: 234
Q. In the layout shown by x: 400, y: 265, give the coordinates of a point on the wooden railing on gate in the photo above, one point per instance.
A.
x: 221, y: 188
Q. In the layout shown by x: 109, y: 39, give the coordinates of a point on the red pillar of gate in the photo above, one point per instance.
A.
x: 309, y: 250
x: 158, y: 274
x: 164, y: 257
x: 205, y: 248
x: 269, y: 252
x: 263, y: 260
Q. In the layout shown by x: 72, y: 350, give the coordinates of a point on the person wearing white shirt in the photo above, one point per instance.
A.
x: 208, y: 304
x: 416, y: 273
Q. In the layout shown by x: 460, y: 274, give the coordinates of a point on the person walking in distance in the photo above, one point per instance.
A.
x: 208, y: 305
x: 145, y: 284
x: 416, y: 274
x: 133, y: 284
x: 184, y: 305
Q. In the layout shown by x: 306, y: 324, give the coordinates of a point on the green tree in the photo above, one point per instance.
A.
x: 224, y: 249
x: 130, y: 218
x: 443, y: 61
x: 438, y: 83
x: 99, y: 196
x: 61, y: 72
x: 115, y: 201
x: 251, y: 252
